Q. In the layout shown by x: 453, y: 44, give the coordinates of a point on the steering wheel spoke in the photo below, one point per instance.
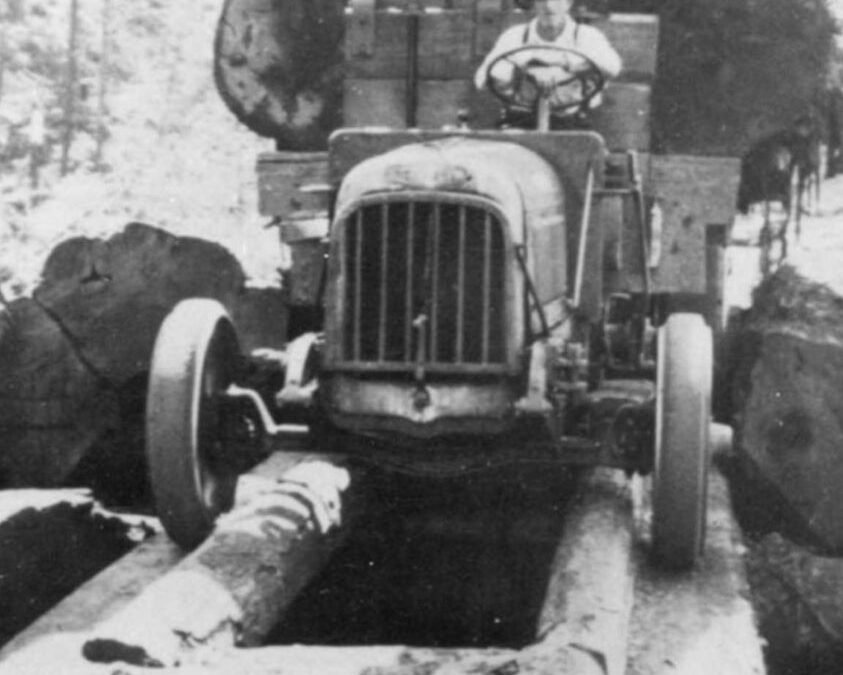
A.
x: 561, y: 95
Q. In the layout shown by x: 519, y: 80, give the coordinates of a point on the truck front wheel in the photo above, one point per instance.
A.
x: 193, y: 363
x: 683, y: 419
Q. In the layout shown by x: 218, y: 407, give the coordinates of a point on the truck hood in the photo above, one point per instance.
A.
x: 513, y: 178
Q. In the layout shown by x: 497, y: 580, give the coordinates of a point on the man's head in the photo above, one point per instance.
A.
x: 552, y: 14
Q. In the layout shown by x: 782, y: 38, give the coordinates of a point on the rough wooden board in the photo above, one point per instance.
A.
x: 692, y: 192
x: 701, y: 621
x: 281, y: 176
x: 445, y: 47
x: 374, y: 103
x: 636, y: 39
x: 623, y: 119
x: 382, y: 102
x: 589, y: 597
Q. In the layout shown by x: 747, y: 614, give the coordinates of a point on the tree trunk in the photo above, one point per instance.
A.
x: 70, y: 88
x: 233, y: 589
x: 102, y: 130
x: 74, y: 356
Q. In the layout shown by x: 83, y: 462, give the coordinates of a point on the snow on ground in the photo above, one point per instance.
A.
x: 817, y: 253
x: 177, y: 157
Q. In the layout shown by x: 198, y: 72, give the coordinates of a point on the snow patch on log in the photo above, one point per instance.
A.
x: 233, y: 589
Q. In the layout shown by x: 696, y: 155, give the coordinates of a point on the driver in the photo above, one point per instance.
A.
x: 551, y: 72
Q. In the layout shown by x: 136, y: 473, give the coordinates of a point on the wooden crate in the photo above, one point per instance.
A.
x: 624, y: 116
x: 283, y: 178
x: 636, y: 38
x: 445, y: 48
x: 382, y: 102
x: 452, y: 44
x: 693, y: 193
x: 453, y: 38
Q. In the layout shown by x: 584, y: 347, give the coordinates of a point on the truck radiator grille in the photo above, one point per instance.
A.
x: 424, y: 284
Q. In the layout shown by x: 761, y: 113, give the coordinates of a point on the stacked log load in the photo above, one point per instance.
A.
x: 730, y: 71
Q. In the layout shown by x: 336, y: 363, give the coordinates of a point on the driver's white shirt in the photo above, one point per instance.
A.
x: 582, y: 38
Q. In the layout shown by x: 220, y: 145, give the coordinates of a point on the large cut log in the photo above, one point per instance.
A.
x: 721, y: 85
x: 74, y: 357
x: 110, y: 296
x: 278, y: 67
x: 788, y: 403
x: 233, y: 589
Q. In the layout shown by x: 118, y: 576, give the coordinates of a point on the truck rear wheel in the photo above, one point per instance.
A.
x: 683, y: 418
x: 193, y: 363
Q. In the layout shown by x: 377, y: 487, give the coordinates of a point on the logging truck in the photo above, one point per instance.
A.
x: 461, y: 296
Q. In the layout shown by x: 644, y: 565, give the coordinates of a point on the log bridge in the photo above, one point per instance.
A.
x: 605, y: 609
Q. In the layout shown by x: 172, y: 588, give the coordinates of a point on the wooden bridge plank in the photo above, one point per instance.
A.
x: 701, y: 621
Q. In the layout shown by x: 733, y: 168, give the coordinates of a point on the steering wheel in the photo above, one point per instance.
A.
x: 590, y: 78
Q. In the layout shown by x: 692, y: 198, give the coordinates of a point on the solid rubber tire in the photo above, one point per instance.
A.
x: 194, y: 358
x: 683, y: 418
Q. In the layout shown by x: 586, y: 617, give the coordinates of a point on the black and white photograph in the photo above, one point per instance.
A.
x: 421, y: 337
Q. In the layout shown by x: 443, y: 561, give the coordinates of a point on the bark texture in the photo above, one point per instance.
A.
x: 74, y: 357
x: 278, y: 67
x: 233, y: 589
x: 787, y: 367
